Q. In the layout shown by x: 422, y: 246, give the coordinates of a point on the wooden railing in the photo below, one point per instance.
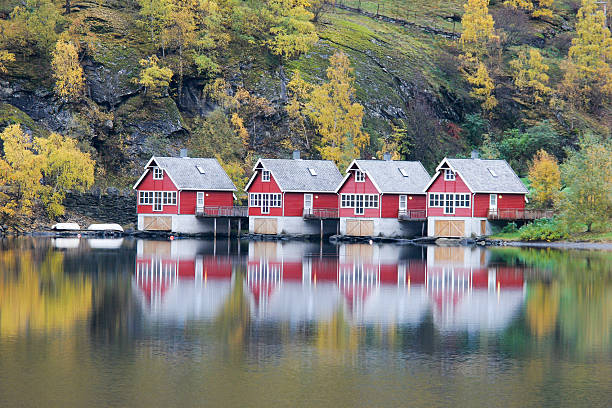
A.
x: 407, y: 215
x: 223, y: 211
x: 519, y: 214
x: 319, y: 213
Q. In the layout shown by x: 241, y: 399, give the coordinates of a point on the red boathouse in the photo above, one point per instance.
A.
x: 383, y: 198
x: 465, y: 193
x: 184, y: 195
x: 293, y: 196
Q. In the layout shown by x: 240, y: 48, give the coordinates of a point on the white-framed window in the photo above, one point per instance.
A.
x: 359, y: 176
x: 145, y: 197
x: 359, y: 201
x: 449, y: 175
x: 449, y: 201
x: 270, y: 200
x: 200, y: 199
x: 403, y: 202
x: 265, y: 175
x: 308, y: 201
x: 169, y: 198
x: 158, y: 173
x: 158, y: 204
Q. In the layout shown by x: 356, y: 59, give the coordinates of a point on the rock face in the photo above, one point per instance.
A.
x: 109, y: 206
x: 108, y: 87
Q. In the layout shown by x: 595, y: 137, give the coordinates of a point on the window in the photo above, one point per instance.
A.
x: 449, y: 204
x: 313, y: 172
x: 359, y: 176
x: 492, y: 171
x: 265, y: 175
x: 200, y: 169
x: 403, y: 203
x: 404, y: 172
x: 145, y: 197
x: 265, y: 200
x: 449, y: 175
x: 359, y: 201
x: 158, y: 173
x: 462, y: 200
x: 157, y: 201
x: 169, y: 198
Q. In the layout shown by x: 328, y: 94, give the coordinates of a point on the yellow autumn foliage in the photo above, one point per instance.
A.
x: 541, y: 8
x: 154, y: 78
x: 5, y: 57
x: 545, y: 179
x: 67, y: 71
x: 482, y: 84
x: 292, y: 31
x: 478, y: 27
x: 530, y: 74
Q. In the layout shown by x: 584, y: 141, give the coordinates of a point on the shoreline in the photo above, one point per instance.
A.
x: 333, y: 239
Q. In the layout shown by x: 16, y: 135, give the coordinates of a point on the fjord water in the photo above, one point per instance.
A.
x: 118, y: 322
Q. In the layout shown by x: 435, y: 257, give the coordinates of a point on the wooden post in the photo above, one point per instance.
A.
x: 423, y: 229
x: 321, y: 229
x: 229, y: 227
x: 215, y: 228
x: 239, y: 222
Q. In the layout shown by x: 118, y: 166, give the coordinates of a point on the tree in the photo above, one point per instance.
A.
x: 42, y: 169
x: 67, y: 71
x: 587, y: 174
x: 33, y: 25
x: 319, y: 7
x: 157, y: 16
x: 154, y: 78
x: 545, y: 179
x: 5, y: 57
x: 478, y: 32
x: 292, y: 32
x: 64, y: 167
x: 588, y: 76
x: 541, y: 8
x: 478, y: 27
x: 482, y: 84
x: 335, y: 116
x: 530, y: 74
x: 296, y: 109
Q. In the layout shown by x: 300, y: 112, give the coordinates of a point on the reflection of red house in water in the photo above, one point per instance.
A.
x: 179, y: 286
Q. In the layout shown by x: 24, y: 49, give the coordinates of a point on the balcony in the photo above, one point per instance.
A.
x: 411, y: 215
x: 320, y: 213
x: 215, y: 212
x: 519, y: 214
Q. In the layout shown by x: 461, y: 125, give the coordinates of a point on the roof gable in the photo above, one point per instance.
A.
x: 301, y: 175
x: 484, y: 176
x: 395, y: 176
x: 189, y: 173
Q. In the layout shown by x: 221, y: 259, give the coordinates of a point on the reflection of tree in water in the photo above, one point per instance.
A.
x: 569, y: 297
x: 41, y: 296
x: 234, y: 320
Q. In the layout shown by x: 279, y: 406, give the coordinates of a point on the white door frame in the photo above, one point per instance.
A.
x: 492, y: 203
x: 200, y: 199
x: 403, y: 204
x: 308, y: 203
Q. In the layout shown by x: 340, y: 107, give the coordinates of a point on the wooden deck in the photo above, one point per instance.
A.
x: 223, y: 212
x: 411, y: 215
x: 320, y: 213
x: 520, y: 214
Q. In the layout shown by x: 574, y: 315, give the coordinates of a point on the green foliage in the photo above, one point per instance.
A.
x: 544, y: 230
x: 474, y: 127
x: 154, y: 78
x: 509, y: 228
x: 587, y: 174
x: 34, y: 25
x: 292, y: 32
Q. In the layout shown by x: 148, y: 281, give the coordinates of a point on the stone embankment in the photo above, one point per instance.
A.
x: 110, y: 205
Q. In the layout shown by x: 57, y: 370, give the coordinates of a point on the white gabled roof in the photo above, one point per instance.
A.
x: 483, y: 175
x: 300, y: 175
x: 192, y: 173
x: 393, y: 176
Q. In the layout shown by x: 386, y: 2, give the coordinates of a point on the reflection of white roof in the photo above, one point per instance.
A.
x: 394, y: 305
x: 479, y: 310
x: 187, y: 300
x: 66, y: 243
x: 294, y: 302
x: 105, y: 243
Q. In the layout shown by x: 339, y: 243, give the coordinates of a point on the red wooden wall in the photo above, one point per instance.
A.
x: 258, y: 186
x: 352, y: 187
x: 148, y: 184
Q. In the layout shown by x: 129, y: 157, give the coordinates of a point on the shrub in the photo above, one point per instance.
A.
x: 543, y: 230
x: 510, y: 228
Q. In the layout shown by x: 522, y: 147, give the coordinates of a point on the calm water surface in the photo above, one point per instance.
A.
x: 114, y: 323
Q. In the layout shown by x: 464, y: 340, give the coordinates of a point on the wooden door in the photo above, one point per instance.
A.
x: 366, y: 228
x: 352, y: 227
x: 157, y: 223
x: 265, y: 226
x: 483, y: 227
x: 449, y: 228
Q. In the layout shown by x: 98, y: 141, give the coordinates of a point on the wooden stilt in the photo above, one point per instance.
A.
x: 229, y: 227
x: 423, y: 229
x: 321, y: 229
x: 239, y: 225
x: 215, y: 228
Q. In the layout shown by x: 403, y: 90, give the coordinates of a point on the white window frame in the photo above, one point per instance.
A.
x: 449, y: 203
x: 200, y: 198
x: 158, y: 201
x: 359, y: 209
x: 145, y: 197
x: 265, y: 176
x: 158, y: 174
x: 359, y: 176
x: 449, y: 175
x: 308, y: 198
x: 403, y: 203
x: 493, y: 203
